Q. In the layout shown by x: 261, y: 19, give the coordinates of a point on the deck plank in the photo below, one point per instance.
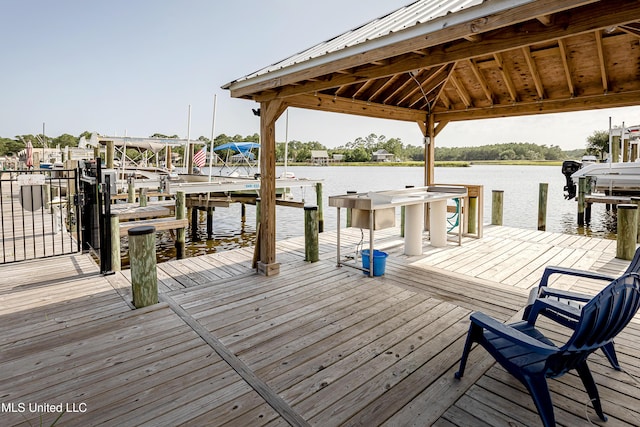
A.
x: 316, y: 344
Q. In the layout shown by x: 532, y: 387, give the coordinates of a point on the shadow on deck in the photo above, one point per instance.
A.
x: 315, y: 345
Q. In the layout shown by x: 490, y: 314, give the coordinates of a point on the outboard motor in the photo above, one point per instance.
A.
x: 569, y: 167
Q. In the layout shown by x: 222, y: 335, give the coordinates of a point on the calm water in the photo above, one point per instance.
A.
x: 519, y: 183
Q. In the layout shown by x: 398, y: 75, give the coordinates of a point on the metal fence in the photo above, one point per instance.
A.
x: 39, y: 214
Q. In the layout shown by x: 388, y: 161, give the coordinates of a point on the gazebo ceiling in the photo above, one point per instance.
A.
x: 496, y: 59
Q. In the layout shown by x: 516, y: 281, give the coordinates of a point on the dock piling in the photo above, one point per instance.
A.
x: 180, y: 232
x: 319, y: 205
x: 627, y: 231
x: 542, y: 206
x: 636, y: 201
x: 311, y: 234
x: 142, y: 258
x: 497, y: 207
x: 116, y: 261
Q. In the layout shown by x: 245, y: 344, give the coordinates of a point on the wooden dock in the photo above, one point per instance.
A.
x: 315, y: 345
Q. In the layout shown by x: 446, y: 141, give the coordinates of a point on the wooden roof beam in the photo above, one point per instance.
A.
x: 508, y: 82
x: 581, y: 103
x: 420, y: 82
x: 633, y: 29
x: 565, y: 64
x: 355, y: 107
x: 603, y: 68
x: 461, y: 91
x: 535, y: 75
x: 384, y: 87
x: 546, y: 20
x: 483, y: 82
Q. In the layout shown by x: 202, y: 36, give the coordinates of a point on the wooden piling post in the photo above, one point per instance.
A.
x: 142, y: 258
x: 110, y: 154
x: 311, y: 233
x: 143, y: 196
x: 542, y: 206
x: 497, y: 207
x: 472, y: 215
x: 194, y: 223
x: 627, y: 231
x: 243, y: 213
x: 636, y: 201
x: 116, y: 261
x: 210, y: 222
x: 320, y: 208
x: 131, y: 189
x: 582, y: 189
x: 181, y: 213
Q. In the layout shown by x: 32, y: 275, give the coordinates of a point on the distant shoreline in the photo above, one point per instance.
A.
x: 452, y: 164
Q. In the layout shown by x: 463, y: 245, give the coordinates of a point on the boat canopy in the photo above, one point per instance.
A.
x: 238, y: 147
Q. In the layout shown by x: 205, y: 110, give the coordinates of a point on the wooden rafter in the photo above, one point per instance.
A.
x: 603, y: 69
x: 355, y: 107
x: 533, y: 69
x: 481, y: 80
x: 632, y: 28
x: 460, y: 90
x: 565, y: 64
x: 425, y: 80
x: 399, y: 92
x: 581, y: 103
x: 380, y: 92
x: 508, y: 82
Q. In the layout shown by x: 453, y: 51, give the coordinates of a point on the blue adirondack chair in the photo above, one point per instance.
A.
x: 567, y: 314
x: 532, y: 358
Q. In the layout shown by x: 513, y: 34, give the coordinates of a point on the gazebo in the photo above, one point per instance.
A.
x: 433, y: 62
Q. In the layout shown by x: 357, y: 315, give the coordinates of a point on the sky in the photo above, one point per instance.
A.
x: 136, y: 67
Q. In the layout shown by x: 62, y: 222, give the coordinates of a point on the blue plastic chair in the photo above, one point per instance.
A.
x: 567, y: 314
x: 532, y: 358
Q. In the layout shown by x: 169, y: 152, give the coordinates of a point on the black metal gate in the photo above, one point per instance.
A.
x: 39, y: 214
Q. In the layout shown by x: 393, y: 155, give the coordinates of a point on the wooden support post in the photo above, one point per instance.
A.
x: 257, y: 212
x: 194, y: 223
x: 143, y: 197
x: 142, y: 258
x: 627, y: 231
x: 542, y: 206
x: 116, y: 261
x: 582, y: 188
x: 472, y: 215
x: 615, y: 149
x: 497, y: 207
x: 320, y: 209
x: 210, y: 222
x: 311, y: 233
x: 269, y: 113
x: 636, y: 201
x: 131, y: 189
x: 111, y: 151
x: 243, y: 213
x: 349, y: 210
x: 180, y: 232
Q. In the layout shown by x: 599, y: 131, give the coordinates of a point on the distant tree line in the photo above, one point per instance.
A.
x: 359, y: 150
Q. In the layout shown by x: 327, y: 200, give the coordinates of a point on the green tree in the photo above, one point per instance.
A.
x: 598, y: 143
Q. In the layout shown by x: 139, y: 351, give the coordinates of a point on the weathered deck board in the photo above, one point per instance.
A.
x: 316, y: 343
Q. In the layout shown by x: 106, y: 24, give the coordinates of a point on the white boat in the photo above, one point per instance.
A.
x: 611, y: 178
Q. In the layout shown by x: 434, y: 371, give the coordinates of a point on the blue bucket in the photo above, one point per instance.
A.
x: 379, y: 261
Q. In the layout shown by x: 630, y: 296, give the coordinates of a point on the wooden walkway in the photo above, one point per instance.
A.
x: 315, y: 345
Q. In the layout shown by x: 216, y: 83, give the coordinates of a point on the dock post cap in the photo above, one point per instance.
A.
x: 310, y: 208
x: 141, y: 230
